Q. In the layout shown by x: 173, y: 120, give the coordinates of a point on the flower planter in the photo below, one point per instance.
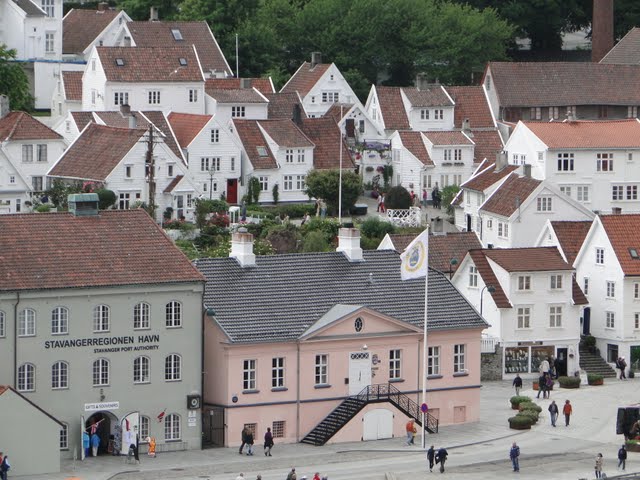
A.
x: 633, y: 447
x: 597, y: 382
x: 519, y: 426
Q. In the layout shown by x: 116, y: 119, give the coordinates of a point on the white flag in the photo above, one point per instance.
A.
x: 415, y: 258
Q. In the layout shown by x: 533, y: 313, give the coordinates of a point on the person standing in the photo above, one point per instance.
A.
x: 4, y: 467
x: 382, y: 207
x: 599, y: 462
x: 553, y: 412
x: 86, y: 443
x: 567, y: 410
x: 292, y: 474
x: 622, y: 457
x: 244, y: 439
x: 316, y: 476
x: 424, y: 197
x: 380, y: 199
x: 542, y: 383
x: 548, y: 385
x: 240, y: 476
x: 623, y: 367
x: 410, y: 427
x: 441, y: 457
x: 268, y: 442
x: 249, y: 442
x: 95, y: 443
x: 323, y: 208
x: 431, y: 457
x: 517, y: 383
x: 514, y: 455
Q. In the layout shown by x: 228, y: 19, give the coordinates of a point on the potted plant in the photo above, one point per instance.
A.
x: 530, y: 406
x: 520, y: 422
x: 569, y: 382
x: 530, y: 414
x: 590, y: 343
x: 516, y: 400
x: 595, y: 379
x: 632, y: 445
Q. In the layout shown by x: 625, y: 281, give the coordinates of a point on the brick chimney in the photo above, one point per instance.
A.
x: 601, y: 29
x: 316, y: 58
x: 501, y: 161
x: 4, y: 106
x: 349, y: 244
x: 242, y: 248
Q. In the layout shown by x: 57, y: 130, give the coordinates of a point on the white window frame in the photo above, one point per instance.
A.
x: 555, y: 282
x: 238, y: 111
x: 300, y: 155
x: 636, y: 292
x: 582, y: 194
x: 173, y: 368
x: 172, y: 428
x: 50, y: 42
x: 523, y: 315
x: 631, y: 192
x: 27, y: 322
x: 617, y: 192
x: 215, y: 135
x: 173, y: 314
x: 524, y: 283
x: 565, y: 162
x: 49, y: 7
x: 433, y: 361
x: 3, y: 325
x: 26, y: 377
x: 60, y: 375
x: 611, y: 289
x: 141, y: 316
x: 544, y: 204
x: 473, y: 276
x: 277, y: 372
x: 395, y: 364
x: 27, y: 153
x: 459, y: 358
x: 599, y: 256
x: 141, y: 370
x: 321, y: 369
x: 636, y: 320
x: 249, y: 374
x: 153, y: 97
x: 610, y: 319
x: 101, y: 318
x: 121, y: 98
x: 288, y: 155
x: 60, y: 321
x: 100, y: 372
x: 555, y: 316
x: 64, y: 437
x: 287, y: 183
x: 193, y: 95
x: 300, y: 182
x: 144, y: 430
x: 604, y: 162
x: 330, y: 97
x: 585, y: 285
x: 424, y: 114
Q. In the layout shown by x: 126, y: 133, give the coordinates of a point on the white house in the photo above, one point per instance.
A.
x: 28, y: 148
x: 67, y: 96
x: 146, y: 78
x: 608, y: 267
x: 244, y: 102
x: 514, y: 214
x: 595, y: 163
x: 319, y: 85
x: 531, y: 301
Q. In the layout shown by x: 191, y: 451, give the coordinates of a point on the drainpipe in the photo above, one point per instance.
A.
x: 298, y: 391
x: 15, y: 341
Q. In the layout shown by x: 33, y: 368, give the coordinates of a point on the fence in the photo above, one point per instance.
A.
x: 405, y: 218
x: 488, y: 344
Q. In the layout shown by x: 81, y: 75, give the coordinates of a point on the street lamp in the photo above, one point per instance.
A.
x: 491, y: 289
x: 452, y: 263
x: 210, y: 183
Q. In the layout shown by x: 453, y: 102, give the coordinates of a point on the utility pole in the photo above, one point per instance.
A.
x: 151, y: 168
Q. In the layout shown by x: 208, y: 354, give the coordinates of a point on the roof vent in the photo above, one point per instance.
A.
x: 83, y: 204
x: 183, y: 61
x: 120, y: 62
x: 177, y: 34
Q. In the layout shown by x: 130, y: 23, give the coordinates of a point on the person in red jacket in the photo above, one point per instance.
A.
x: 567, y: 410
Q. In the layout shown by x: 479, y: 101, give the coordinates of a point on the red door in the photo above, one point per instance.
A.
x: 232, y: 190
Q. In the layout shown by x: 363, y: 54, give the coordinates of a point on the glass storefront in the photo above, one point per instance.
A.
x: 526, y: 359
x: 539, y: 354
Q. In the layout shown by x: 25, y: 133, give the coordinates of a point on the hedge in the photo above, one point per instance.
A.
x: 595, y: 378
x: 532, y: 414
x: 518, y: 399
x: 520, y: 422
x: 569, y: 382
x: 530, y: 406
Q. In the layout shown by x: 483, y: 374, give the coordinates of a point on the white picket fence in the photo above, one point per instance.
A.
x: 411, y: 217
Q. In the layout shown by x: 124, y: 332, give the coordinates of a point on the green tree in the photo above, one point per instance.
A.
x: 447, y: 195
x: 13, y: 81
x: 106, y: 198
x: 254, y: 183
x: 397, y: 198
x: 325, y: 184
x: 315, y: 241
x: 205, y: 207
x: 283, y: 238
x: 59, y: 192
x: 141, y: 9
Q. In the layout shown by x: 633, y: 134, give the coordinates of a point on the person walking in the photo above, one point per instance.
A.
x: 567, y: 410
x: 441, y: 458
x: 553, y: 412
x: 240, y: 476
x: 424, y: 197
x: 292, y: 474
x: 268, y: 442
x: 622, y: 457
x: 316, y: 476
x: 410, y: 428
x: 548, y: 385
x: 598, y: 467
x: 86, y: 443
x: 4, y: 467
x: 431, y: 457
x: 517, y: 383
x: 323, y: 209
x: 249, y: 442
x: 542, y: 383
x: 623, y: 367
x: 514, y: 455
x: 95, y: 443
x: 245, y: 430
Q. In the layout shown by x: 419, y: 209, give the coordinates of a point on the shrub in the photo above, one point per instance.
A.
x: 520, y: 422
x: 315, y: 241
x: 516, y: 400
x: 375, y: 228
x: 329, y: 228
x: 172, y: 225
x: 569, y: 382
x: 263, y: 247
x: 590, y: 341
x: 293, y: 210
x: 43, y: 208
x: 275, y: 191
x: 284, y: 238
x: 397, y: 198
x: 367, y: 243
x: 219, y: 220
x: 529, y: 406
x: 107, y: 198
x: 595, y: 378
x: 532, y: 414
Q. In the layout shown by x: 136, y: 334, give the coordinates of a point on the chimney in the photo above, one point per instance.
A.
x: 616, y: 210
x: 526, y: 170
x: 154, y: 14
x: 422, y: 81
x: 297, y: 114
x: 601, y: 29
x: 242, y: 248
x: 125, y: 110
x: 133, y: 122
x: 4, y: 106
x: 466, y: 126
x: 103, y: 6
x: 127, y: 41
x: 316, y: 58
x: 349, y: 244
x: 501, y: 161
x: 245, y: 83
x: 83, y: 204
x: 571, y: 117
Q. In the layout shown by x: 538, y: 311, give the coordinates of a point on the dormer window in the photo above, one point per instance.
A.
x: 183, y: 62
x: 120, y: 62
x: 177, y: 35
x: 262, y: 151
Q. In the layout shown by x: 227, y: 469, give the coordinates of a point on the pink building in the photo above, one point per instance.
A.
x: 328, y: 346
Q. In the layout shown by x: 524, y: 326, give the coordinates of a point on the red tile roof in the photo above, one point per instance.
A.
x: 96, y: 152
x: 541, y: 84
x: 187, y: 125
x: 433, y: 96
x: 452, y: 137
x: 577, y: 295
x: 159, y: 34
x: 238, y: 95
x: 626, y: 51
x: 173, y: 184
x: 488, y: 143
x: 414, y: 142
x: 338, y: 111
x: 571, y: 236
x: 263, y: 85
x: 305, y: 78
x: 82, y: 119
x: 285, y: 133
x: 252, y: 138
x: 150, y: 64
x: 159, y: 120
x: 489, y: 278
x: 81, y: 27
x: 392, y: 108
x: 281, y: 105
x: 622, y: 231
x: 587, y: 134
x: 17, y: 126
x: 72, y: 82
x: 510, y: 195
x: 59, y: 250
x: 327, y: 138
x: 487, y: 177
x: 471, y: 103
x: 530, y: 259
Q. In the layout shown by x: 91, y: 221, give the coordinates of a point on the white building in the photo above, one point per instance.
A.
x: 531, y: 301
x: 595, y: 163
x: 244, y: 102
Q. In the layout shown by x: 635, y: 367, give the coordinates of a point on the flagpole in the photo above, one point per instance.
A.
x: 340, y: 180
x: 424, y: 347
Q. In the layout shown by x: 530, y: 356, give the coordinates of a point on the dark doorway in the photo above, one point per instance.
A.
x: 213, y: 427
x: 232, y: 190
x: 468, y: 223
x: 586, y: 321
x: 105, y: 423
x: 562, y: 362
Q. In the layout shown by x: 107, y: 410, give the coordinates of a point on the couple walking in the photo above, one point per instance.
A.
x: 247, y: 439
x: 434, y: 457
x: 567, y: 411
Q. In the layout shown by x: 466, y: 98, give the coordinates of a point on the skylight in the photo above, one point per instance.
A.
x: 634, y: 253
x: 177, y: 35
x: 183, y: 62
x: 262, y: 151
x: 120, y: 62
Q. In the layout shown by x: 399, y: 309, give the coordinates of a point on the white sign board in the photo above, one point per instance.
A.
x: 93, y: 407
x: 583, y: 378
x: 193, y: 414
x: 192, y: 422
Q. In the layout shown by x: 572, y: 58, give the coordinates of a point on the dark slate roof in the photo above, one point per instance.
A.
x: 283, y: 295
x: 626, y: 51
x: 30, y: 8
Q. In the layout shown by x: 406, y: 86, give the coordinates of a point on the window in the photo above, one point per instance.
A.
x: 524, y: 317
x: 424, y: 114
x: 172, y: 427
x: 93, y: 97
x: 123, y: 203
x: 262, y: 151
x: 632, y: 192
x: 288, y: 156
x: 278, y: 429
x: 544, y: 204
x: 121, y: 98
x: 49, y: 42
x: 127, y: 171
x: 174, y: 314
x: 215, y: 135
x: 611, y: 289
x: 177, y: 35
x: 600, y: 256
x: 300, y: 155
x: 457, y: 156
x: 3, y: 331
x: 49, y: 7
x: 287, y: 181
x: 395, y: 363
x: 459, y: 365
x: 447, y: 155
x: 438, y: 114
x: 36, y: 183
x: 611, y: 320
x: 12, y: 179
x: 604, y: 162
x: 238, y: 112
x: 632, y: 112
x: 583, y: 193
x: 264, y: 183
x: 556, y: 282
x: 277, y: 372
x: 204, y: 164
x: 636, y: 295
x: 154, y: 97
x: 169, y: 171
x: 555, y: 316
x: 233, y: 163
x: 433, y: 361
x: 27, y: 153
x: 636, y: 320
x: 554, y: 113
x: 144, y: 427
x: 524, y: 282
x: 101, y: 318
x: 330, y: 97
x: 59, y: 321
x: 322, y: 369
x: 101, y: 372
x: 503, y: 230
x: 473, y: 276
x: 193, y: 95
x: 617, y: 192
x: 249, y: 375
x: 64, y: 437
x: 141, y: 316
x: 535, y: 113
x: 60, y: 375
x: 603, y: 111
x: 93, y: 69
x: 26, y: 378
x: 27, y: 323
x: 18, y: 203
x: 566, y: 189
x: 141, y: 370
x: 172, y: 368
x: 189, y: 200
x: 300, y: 182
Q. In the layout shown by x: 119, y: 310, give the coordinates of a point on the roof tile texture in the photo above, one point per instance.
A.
x: 72, y: 85
x: 451, y: 137
x: 584, y: 134
x: 487, y: 144
x: 252, y: 138
x: 626, y: 51
x: 531, y: 259
x: 622, y: 231
x: 285, y: 133
x: 305, y: 78
x: 571, y: 236
x: 471, y: 103
x: 281, y: 105
x: 238, y: 95
x: 433, y: 96
x: 263, y: 85
x: 17, y: 126
x: 392, y: 108
x: 187, y: 126
x: 414, y: 142
x: 80, y: 27
x: 327, y: 138
x: 488, y: 177
x: 510, y: 195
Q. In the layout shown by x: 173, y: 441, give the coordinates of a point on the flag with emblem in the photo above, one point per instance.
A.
x: 415, y: 258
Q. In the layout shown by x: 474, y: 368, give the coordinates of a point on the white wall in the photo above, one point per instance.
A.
x: 312, y: 102
x: 417, y: 123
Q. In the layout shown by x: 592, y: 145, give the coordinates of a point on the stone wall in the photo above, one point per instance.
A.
x: 491, y: 365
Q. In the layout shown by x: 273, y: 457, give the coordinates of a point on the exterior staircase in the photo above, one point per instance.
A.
x: 351, y: 406
x: 593, y: 363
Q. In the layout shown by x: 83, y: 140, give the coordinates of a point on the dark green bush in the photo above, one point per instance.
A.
x: 590, y: 341
x: 294, y: 210
x: 367, y: 243
x: 594, y: 378
x: 397, y: 198
x: 375, y: 228
x: 569, y: 382
x: 520, y: 422
x: 329, y: 228
x: 529, y: 406
x: 315, y: 241
x: 518, y: 399
x: 532, y: 414
x: 106, y: 198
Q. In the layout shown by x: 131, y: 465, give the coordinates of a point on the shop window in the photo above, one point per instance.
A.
x: 516, y: 359
x: 539, y: 354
